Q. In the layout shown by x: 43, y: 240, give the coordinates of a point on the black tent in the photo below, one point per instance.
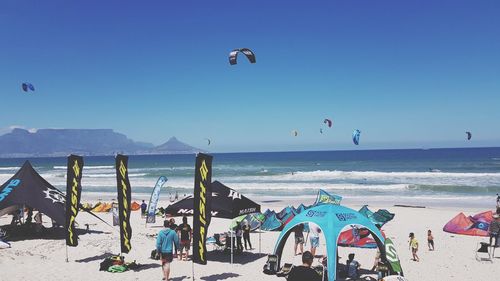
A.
x: 28, y: 188
x: 226, y: 203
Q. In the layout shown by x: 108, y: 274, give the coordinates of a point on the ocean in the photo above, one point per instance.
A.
x: 459, y: 175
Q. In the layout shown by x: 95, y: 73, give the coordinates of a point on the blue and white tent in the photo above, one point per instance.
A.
x: 331, y: 219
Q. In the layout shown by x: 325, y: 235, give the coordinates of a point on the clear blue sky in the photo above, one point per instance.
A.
x: 406, y: 73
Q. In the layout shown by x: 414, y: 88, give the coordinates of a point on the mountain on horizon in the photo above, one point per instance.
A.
x: 174, y: 146
x: 85, y: 142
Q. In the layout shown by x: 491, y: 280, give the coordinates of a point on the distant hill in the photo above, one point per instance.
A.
x: 174, y: 146
x: 62, y: 142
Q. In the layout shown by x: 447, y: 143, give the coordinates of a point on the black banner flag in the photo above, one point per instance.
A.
x: 123, y: 187
x: 73, y: 194
x: 202, y: 210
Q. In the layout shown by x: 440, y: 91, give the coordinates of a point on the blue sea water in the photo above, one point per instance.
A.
x: 459, y: 173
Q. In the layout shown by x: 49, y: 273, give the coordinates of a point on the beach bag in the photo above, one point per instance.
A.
x: 271, y: 266
x: 105, y: 264
x: 117, y: 268
x: 155, y: 255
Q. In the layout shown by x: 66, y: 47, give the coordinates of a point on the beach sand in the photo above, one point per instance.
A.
x: 45, y: 259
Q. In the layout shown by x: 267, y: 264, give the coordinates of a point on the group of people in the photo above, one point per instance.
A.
x: 243, y: 231
x: 413, y: 244
x: 314, y: 233
x: 174, y: 240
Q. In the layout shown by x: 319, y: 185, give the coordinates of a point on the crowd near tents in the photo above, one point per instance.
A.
x: 210, y: 199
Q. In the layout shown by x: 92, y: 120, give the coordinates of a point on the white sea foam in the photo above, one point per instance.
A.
x: 423, y: 178
x: 86, y: 167
x: 9, y: 168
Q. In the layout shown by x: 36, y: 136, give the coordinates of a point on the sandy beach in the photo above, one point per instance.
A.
x: 44, y: 259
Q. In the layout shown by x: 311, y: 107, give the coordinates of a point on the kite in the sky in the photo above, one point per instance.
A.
x: 209, y: 141
x: 233, y: 55
x: 295, y: 133
x: 27, y: 86
x: 469, y: 135
x: 328, y: 122
x: 355, y: 136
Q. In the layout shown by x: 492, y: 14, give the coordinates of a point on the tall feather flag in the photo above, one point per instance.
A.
x: 153, y: 201
x: 202, y: 211
x: 73, y: 195
x: 124, y: 193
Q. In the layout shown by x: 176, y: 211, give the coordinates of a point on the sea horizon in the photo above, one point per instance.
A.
x: 443, y: 175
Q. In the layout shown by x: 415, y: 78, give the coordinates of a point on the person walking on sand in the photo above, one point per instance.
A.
x: 430, y: 240
x: 246, y: 235
x: 185, y: 233
x: 165, y: 241
x: 494, y: 229
x: 298, y: 231
x: 414, y: 246
x: 144, y: 207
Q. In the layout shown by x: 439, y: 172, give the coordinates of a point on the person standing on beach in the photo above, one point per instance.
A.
x: 298, y: 230
x: 144, y: 207
x: 185, y: 232
x: 414, y: 246
x: 304, y: 272
x: 246, y: 235
x: 167, y: 238
x: 430, y: 240
x: 314, y: 231
x: 494, y: 229
x: 239, y: 234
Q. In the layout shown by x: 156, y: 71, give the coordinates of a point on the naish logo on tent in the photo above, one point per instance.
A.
x: 8, y: 189
x: 191, y: 211
x: 345, y: 216
x: 248, y: 211
x: 55, y: 195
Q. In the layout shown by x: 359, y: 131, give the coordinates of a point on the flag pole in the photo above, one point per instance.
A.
x: 192, y: 268
x: 67, y: 259
x: 260, y: 232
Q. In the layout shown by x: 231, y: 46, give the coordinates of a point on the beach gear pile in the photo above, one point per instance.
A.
x: 117, y: 264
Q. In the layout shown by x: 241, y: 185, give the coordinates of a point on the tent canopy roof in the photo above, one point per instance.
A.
x: 28, y: 188
x: 226, y: 203
x: 331, y: 219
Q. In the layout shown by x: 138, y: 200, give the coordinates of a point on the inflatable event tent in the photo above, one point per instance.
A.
x: 332, y: 219
x: 28, y: 188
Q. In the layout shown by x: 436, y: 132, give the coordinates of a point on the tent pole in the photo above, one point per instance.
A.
x: 231, y: 232
x: 192, y: 268
x: 260, y: 232
x: 67, y: 260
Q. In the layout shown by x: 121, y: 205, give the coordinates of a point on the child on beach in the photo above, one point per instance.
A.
x: 414, y: 246
x: 430, y: 240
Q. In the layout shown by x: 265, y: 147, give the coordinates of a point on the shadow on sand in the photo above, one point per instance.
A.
x: 95, y: 258
x: 240, y: 258
x: 28, y: 232
x: 222, y: 276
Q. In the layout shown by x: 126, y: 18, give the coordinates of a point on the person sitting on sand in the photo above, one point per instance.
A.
x: 298, y: 231
x: 494, y: 229
x: 164, y: 246
x: 430, y: 240
x: 38, y: 222
x: 304, y: 272
x: 353, y: 267
x: 414, y: 246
